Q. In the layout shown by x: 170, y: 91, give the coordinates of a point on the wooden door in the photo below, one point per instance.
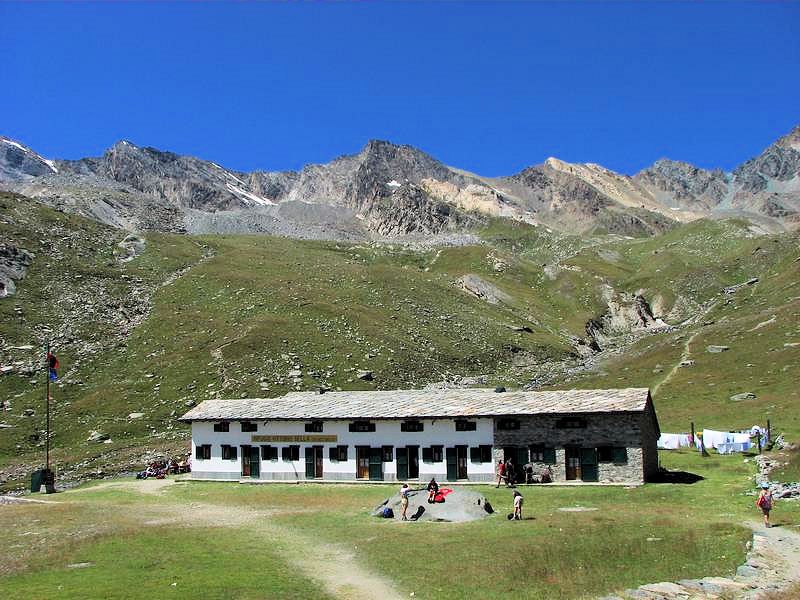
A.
x: 572, y: 457
x: 589, y: 464
x: 362, y: 462
x: 413, y: 462
x: 452, y: 464
x: 318, y: 462
x: 402, y: 463
x: 245, y: 461
x: 461, y: 460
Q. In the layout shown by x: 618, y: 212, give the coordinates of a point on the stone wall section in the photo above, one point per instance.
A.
x: 634, y: 431
x: 650, y: 435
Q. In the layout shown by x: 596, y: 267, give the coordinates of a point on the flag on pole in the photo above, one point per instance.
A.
x: 52, y: 366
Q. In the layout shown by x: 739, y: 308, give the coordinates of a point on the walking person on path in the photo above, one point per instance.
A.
x: 764, y: 502
x: 501, y: 473
x: 517, y: 506
x: 404, y: 490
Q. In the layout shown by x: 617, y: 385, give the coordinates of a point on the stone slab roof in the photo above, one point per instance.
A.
x: 405, y: 404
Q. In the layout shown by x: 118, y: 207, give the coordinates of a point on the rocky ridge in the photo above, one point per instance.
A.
x: 387, y: 191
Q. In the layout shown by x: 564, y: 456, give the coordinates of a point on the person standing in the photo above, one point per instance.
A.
x: 501, y: 473
x: 517, y: 506
x: 511, y: 478
x: 404, y: 490
x: 764, y: 502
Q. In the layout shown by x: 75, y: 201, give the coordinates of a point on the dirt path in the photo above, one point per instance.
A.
x: 334, y: 566
x: 684, y: 356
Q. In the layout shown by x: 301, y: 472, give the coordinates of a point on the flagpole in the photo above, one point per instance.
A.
x: 47, y: 402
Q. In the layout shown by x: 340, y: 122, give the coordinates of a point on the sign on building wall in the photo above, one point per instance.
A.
x: 295, y: 438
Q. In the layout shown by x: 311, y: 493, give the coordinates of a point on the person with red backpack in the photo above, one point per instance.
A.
x: 764, y: 502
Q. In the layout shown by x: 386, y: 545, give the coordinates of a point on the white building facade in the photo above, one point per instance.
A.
x: 368, y: 450
x: 452, y: 435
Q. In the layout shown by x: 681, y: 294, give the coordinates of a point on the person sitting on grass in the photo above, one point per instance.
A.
x: 517, y: 506
x: 764, y: 502
x: 433, y: 488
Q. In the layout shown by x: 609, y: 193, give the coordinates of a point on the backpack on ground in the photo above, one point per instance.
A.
x: 388, y: 513
x: 419, y: 512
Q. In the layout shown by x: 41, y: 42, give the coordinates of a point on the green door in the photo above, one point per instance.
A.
x: 402, y: 463
x: 589, y: 464
x: 255, y: 461
x: 375, y: 464
x: 452, y: 464
x: 310, y: 466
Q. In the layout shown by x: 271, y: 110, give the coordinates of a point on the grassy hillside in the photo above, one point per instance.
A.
x: 193, y: 318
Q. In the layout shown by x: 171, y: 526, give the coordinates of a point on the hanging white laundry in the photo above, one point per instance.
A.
x: 673, y: 441
x: 741, y: 438
x: 712, y: 438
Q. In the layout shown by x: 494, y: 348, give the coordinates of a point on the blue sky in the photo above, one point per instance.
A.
x: 490, y: 87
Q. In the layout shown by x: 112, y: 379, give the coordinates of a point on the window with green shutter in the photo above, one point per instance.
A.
x: 269, y: 453
x: 438, y: 453
x: 475, y: 454
x: 229, y: 452
x: 605, y: 454
x: 486, y: 454
x: 543, y: 454
x: 427, y: 454
x: 620, y: 455
x: 290, y: 453
x: 387, y: 453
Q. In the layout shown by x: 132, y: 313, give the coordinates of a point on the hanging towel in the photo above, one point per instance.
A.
x: 673, y: 441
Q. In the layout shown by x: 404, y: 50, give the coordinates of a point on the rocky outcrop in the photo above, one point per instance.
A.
x: 480, y: 288
x: 13, y: 264
x: 625, y: 315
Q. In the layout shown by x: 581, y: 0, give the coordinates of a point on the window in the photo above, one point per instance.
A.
x: 465, y: 425
x: 202, y: 452
x: 361, y: 427
x: 387, y: 452
x: 248, y: 426
x: 411, y: 426
x: 480, y: 454
x: 433, y: 454
x: 228, y: 452
x: 338, y: 453
x: 290, y: 453
x: 543, y: 454
x: 508, y: 424
x: 269, y: 453
x: 314, y: 427
x: 223, y: 427
x: 571, y: 423
x: 605, y: 454
x: 612, y: 454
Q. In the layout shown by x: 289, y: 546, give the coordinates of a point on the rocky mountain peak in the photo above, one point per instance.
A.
x: 791, y: 139
x: 19, y: 163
